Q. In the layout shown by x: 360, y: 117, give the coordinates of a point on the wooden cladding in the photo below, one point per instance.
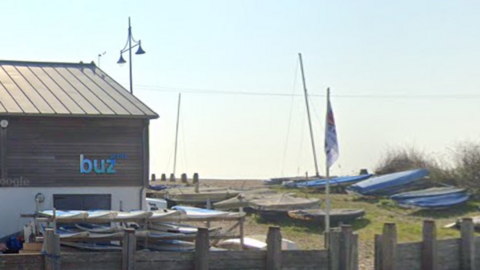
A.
x: 46, y: 151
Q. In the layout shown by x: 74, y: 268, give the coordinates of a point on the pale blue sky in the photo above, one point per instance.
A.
x: 401, y: 73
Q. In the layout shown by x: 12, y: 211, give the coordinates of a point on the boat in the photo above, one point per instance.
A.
x: 456, y: 224
x: 166, y: 215
x: 205, y: 195
x: 95, y: 228
x: 337, y: 181
x: 337, y: 216
x: 127, y: 216
x: 277, y: 206
x: 435, y: 202
x: 200, y: 213
x: 99, y: 215
x: 253, y: 242
x: 64, y: 215
x: 178, y: 228
x: 243, y: 199
x: 429, y: 192
x: 388, y: 184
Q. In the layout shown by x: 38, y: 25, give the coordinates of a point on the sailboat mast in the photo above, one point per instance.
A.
x: 176, y: 134
x: 309, y: 118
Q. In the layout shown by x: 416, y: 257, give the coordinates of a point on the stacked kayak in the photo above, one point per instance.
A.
x: 337, y: 181
x: 432, y: 198
x: 389, y: 183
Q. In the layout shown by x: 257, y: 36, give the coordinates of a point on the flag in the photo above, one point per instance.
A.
x: 331, y: 143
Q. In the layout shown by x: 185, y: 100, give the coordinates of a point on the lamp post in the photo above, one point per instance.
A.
x: 128, y: 47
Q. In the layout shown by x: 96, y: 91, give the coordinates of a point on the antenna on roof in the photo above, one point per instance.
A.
x: 100, y: 55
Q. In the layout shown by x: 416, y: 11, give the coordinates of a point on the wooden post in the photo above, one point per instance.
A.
x: 467, y: 250
x: 333, y: 250
x: 172, y: 177
x: 378, y: 252
x: 354, y: 247
x: 389, y: 247
x: 51, y: 248
x: 154, y: 177
x: 202, y: 247
x: 129, y: 248
x: 184, y: 178
x: 163, y: 178
x: 274, y: 249
x: 429, y: 246
x: 196, y: 182
x: 346, y: 254
x: 242, y: 231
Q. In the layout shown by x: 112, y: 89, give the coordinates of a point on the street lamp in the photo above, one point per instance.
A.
x: 128, y: 47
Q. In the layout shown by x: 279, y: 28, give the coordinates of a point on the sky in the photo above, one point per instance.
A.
x: 401, y: 74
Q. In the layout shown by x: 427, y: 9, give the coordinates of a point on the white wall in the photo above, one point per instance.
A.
x: 18, y: 200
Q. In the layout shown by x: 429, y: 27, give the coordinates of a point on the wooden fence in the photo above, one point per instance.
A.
x: 429, y: 254
x: 342, y: 255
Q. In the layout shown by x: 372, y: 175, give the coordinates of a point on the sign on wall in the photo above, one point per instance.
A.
x: 100, y: 166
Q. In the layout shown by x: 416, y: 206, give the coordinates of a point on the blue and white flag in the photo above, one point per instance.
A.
x: 331, y: 143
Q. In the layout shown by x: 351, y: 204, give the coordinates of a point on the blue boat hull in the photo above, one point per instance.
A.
x: 337, y: 181
x: 442, y: 201
x: 389, y: 183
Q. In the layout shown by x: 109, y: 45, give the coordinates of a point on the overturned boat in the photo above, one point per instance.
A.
x: 243, y: 199
x: 202, y: 196
x: 337, y: 181
x: 435, y: 202
x: 337, y: 216
x: 389, y: 183
x: 277, y: 206
x: 429, y: 192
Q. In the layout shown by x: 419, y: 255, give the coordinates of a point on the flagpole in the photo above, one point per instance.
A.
x: 327, y: 186
x: 309, y: 118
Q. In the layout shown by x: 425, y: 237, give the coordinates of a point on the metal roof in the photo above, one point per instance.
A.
x: 65, y: 89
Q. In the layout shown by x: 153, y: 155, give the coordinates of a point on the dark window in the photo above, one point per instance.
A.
x: 82, y: 201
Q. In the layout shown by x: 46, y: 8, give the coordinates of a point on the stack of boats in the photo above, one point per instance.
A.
x: 164, y: 227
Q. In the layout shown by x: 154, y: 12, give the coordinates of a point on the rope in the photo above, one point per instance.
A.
x: 289, y: 118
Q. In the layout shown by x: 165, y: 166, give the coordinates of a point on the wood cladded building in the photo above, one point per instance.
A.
x: 70, y: 137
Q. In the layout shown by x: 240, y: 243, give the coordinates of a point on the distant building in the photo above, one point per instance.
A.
x: 70, y: 138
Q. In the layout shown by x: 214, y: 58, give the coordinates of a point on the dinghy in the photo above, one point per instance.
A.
x: 167, y: 215
x: 276, y: 206
x: 99, y: 215
x: 456, y: 224
x: 199, y: 213
x: 429, y: 192
x: 337, y: 181
x: 435, y: 202
x: 337, y: 216
x: 387, y: 184
x: 126, y: 216
x: 64, y: 215
x: 253, y: 242
x: 93, y: 228
x: 188, y: 195
x: 243, y: 199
